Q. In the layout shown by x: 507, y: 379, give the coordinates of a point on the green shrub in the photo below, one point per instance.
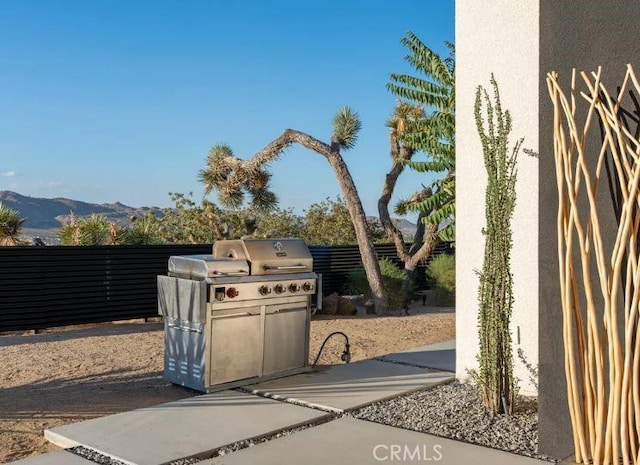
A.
x: 392, y: 277
x: 144, y: 231
x: 90, y: 230
x: 442, y: 272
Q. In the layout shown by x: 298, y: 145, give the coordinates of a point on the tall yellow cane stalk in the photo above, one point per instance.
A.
x: 602, y: 360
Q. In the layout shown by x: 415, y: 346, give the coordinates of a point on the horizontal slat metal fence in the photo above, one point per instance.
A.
x: 44, y: 287
x: 335, y: 263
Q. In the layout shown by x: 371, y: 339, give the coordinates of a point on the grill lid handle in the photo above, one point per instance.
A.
x: 285, y: 267
x: 231, y: 273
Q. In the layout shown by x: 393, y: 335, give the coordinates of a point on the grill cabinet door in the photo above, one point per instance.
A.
x: 236, y: 350
x: 285, y: 337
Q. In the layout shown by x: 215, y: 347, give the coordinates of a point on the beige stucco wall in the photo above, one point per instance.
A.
x: 489, y: 40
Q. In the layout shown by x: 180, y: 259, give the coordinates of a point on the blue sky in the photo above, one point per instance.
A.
x: 114, y: 100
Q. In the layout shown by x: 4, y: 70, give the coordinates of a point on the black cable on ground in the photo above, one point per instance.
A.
x: 346, y: 354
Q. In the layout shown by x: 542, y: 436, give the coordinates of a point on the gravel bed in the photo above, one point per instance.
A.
x: 94, y: 456
x: 244, y: 444
x: 455, y: 411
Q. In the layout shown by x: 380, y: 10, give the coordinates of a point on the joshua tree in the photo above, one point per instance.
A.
x: 232, y: 178
x: 423, y: 122
x: 10, y: 225
x: 91, y: 230
x: 144, y: 231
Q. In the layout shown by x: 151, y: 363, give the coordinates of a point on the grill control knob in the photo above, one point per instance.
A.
x: 232, y: 292
x: 294, y: 287
x: 280, y: 288
x: 264, y: 290
x: 306, y: 287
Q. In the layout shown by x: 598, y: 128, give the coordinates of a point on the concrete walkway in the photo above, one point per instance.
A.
x: 197, y: 426
x: 184, y: 428
x: 346, y: 387
x: 357, y: 442
x: 439, y: 356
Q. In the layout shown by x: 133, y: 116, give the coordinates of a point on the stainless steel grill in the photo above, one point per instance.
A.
x: 238, y: 315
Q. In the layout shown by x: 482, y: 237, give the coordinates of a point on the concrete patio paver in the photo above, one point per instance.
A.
x: 199, y: 425
x: 183, y: 428
x: 357, y: 442
x: 440, y: 356
x: 54, y: 458
x: 345, y: 387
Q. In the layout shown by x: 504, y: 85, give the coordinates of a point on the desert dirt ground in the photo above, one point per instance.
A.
x: 66, y: 375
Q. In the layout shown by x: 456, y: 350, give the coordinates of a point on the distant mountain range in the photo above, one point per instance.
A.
x: 52, y: 213
x: 46, y: 216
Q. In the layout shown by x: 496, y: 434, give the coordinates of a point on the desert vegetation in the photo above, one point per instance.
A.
x: 10, y: 225
x: 495, y: 377
x: 422, y: 122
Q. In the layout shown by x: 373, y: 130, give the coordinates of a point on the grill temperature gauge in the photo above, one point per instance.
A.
x: 264, y: 290
x: 280, y: 288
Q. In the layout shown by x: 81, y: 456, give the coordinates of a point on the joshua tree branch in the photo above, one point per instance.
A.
x: 348, y: 188
x: 426, y: 247
x: 418, y: 237
x: 399, y: 154
x: 275, y: 148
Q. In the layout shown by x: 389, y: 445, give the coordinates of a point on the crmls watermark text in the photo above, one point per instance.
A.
x: 407, y: 453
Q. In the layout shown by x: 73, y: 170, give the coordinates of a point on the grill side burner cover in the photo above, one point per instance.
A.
x: 268, y: 256
x: 201, y: 267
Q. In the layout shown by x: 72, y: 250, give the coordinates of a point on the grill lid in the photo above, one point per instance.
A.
x: 268, y: 256
x: 206, y: 266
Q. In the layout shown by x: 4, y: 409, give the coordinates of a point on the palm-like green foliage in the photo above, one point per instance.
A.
x: 434, y: 134
x: 346, y: 126
x: 233, y: 178
x: 405, y: 116
x: 10, y: 225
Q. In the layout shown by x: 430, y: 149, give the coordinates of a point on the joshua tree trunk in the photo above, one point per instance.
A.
x: 424, y: 239
x: 351, y: 197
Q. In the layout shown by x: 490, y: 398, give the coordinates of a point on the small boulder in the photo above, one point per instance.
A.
x: 330, y: 304
x: 345, y: 306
